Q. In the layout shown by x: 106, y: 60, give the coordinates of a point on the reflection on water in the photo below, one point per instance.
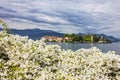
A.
x: 75, y: 46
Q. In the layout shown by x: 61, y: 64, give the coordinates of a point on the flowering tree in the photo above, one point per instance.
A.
x: 25, y: 59
x: 4, y: 25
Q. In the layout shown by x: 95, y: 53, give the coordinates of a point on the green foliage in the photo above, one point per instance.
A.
x: 95, y: 38
x: 73, y: 38
x: 4, y: 25
x: 70, y: 35
x: 77, y: 38
x: 86, y: 38
x: 3, y: 54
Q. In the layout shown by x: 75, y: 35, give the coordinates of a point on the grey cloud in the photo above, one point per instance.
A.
x: 6, y: 9
x: 87, y: 15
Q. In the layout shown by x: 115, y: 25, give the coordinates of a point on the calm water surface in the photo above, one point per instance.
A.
x: 75, y: 46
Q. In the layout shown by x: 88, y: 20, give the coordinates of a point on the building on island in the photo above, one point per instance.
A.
x: 52, y: 39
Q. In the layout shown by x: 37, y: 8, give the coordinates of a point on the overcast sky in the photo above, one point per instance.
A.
x: 67, y: 16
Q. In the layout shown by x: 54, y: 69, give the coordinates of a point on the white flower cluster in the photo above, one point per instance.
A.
x: 25, y: 59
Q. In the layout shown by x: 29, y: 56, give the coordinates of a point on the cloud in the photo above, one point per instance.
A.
x: 73, y: 16
x: 6, y: 9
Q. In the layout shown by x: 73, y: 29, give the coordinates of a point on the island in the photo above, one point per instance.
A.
x: 74, y: 38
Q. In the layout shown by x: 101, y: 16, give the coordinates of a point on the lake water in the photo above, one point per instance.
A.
x: 75, y: 46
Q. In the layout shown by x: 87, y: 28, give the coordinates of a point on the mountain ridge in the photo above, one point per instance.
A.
x: 38, y: 33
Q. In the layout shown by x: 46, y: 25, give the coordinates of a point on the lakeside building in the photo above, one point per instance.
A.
x: 67, y: 39
x: 52, y: 39
x: 56, y: 39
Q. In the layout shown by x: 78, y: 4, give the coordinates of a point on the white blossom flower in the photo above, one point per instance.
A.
x: 22, y: 58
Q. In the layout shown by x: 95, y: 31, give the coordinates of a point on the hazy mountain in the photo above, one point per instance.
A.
x: 35, y: 33
x: 38, y: 33
x: 80, y: 34
x: 113, y: 39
